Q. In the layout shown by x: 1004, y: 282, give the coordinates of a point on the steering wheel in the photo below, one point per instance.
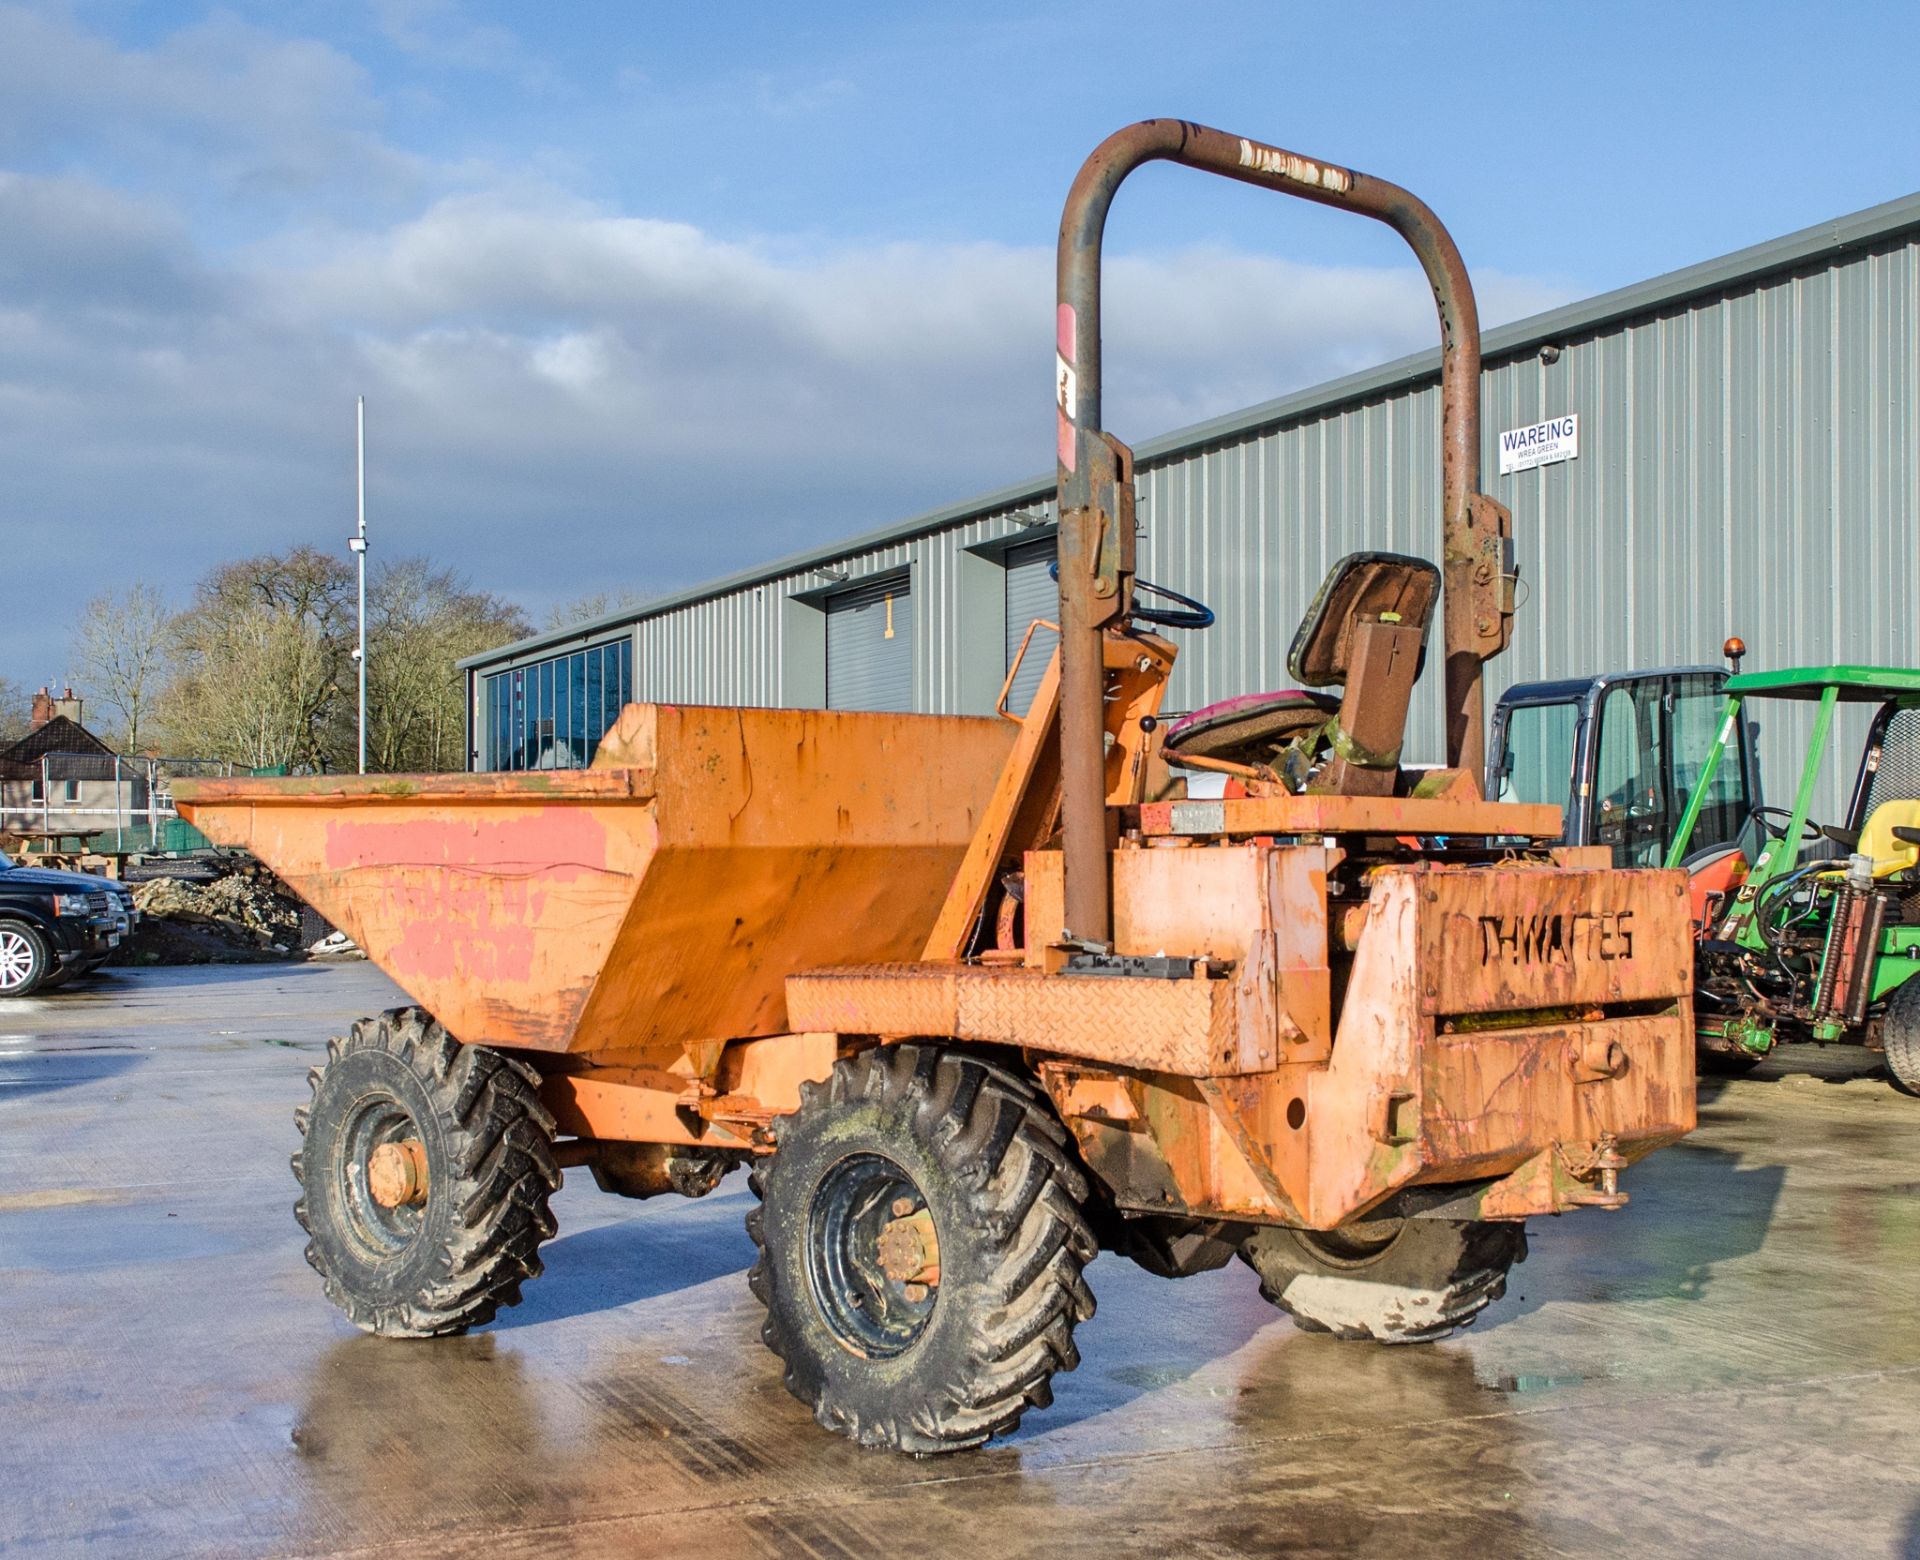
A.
x: 1187, y: 614
x: 1760, y: 815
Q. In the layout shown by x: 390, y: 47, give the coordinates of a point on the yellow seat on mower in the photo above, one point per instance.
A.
x: 1891, y: 854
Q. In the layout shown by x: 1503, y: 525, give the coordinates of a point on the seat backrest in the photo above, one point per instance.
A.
x: 1361, y: 587
x: 1876, y: 839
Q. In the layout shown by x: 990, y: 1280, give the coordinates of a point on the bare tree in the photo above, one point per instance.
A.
x: 421, y: 620
x: 263, y: 660
x: 120, y: 658
x: 261, y: 671
x: 585, y: 609
x: 16, y: 710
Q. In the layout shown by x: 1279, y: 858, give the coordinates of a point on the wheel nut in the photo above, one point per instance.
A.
x: 397, y: 1174
x: 902, y: 1206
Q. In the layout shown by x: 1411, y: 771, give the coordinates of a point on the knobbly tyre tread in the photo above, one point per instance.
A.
x: 1438, y: 1276
x: 498, y: 1141
x: 1024, y: 1204
x: 1901, y: 1033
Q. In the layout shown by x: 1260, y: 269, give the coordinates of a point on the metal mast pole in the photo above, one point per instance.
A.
x: 359, y: 546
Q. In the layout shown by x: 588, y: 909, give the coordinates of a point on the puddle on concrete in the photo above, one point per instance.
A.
x: 69, y: 1050
x: 1535, y: 1383
x: 113, y: 1237
x: 1150, y: 1378
x: 29, y: 1073
x: 58, y: 1197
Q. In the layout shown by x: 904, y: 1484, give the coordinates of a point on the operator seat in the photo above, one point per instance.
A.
x: 1892, y: 838
x: 1366, y: 633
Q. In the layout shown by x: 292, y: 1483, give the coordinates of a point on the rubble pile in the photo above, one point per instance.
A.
x: 239, y: 918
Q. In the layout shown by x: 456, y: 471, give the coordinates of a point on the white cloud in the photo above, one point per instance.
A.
x: 644, y: 398
x: 217, y: 108
x: 435, y: 30
x: 562, y: 397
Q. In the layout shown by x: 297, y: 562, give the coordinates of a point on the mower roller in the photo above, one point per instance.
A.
x: 974, y: 998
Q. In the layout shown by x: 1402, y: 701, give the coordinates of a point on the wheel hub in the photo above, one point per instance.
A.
x: 909, y: 1248
x: 873, y: 1259
x: 397, y: 1174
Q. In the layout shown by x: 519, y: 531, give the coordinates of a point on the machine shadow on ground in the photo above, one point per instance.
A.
x: 1694, y: 1207
x: 648, y: 1254
x: 1909, y: 1541
x: 1149, y: 1334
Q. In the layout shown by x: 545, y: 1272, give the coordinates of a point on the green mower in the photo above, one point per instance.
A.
x: 1806, y: 931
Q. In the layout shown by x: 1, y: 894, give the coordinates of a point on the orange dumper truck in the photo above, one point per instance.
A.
x: 974, y: 998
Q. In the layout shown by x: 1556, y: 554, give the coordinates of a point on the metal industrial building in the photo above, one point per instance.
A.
x: 1747, y: 439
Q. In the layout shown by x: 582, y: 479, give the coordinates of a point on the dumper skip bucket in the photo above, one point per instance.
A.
x: 658, y: 898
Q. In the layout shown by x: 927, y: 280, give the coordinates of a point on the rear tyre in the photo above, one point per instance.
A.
x: 1901, y: 1032
x: 425, y: 1167
x: 26, y: 963
x: 921, y: 1236
x: 1394, y: 1281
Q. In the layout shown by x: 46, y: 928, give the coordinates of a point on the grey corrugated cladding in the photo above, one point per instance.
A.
x: 1748, y: 434
x: 870, y: 647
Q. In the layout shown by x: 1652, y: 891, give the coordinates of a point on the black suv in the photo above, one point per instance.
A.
x: 54, y: 925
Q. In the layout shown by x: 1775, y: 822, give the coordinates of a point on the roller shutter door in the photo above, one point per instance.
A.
x: 1031, y: 594
x: 870, y: 646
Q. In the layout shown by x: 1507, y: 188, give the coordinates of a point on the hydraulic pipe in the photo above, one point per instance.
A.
x: 1081, y: 451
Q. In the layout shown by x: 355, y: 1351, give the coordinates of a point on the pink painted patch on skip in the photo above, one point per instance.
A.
x: 1066, y: 332
x: 458, y: 903
x: 468, y: 839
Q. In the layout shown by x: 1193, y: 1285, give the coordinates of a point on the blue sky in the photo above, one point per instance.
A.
x: 639, y: 294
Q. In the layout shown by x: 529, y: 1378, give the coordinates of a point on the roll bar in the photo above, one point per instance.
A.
x: 1095, y: 471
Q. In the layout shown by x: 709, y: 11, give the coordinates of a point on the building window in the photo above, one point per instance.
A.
x: 552, y: 714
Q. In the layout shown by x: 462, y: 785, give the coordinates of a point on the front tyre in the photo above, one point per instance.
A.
x: 425, y: 1167
x: 921, y: 1236
x: 1394, y: 1280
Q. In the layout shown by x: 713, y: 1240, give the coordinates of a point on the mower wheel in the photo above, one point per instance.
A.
x: 921, y: 1235
x: 1902, y: 1034
x: 425, y: 1167
x: 1394, y: 1280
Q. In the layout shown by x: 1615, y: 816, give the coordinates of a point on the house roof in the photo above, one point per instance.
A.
x: 61, y: 735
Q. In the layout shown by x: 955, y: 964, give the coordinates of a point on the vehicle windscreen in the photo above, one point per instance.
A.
x: 1538, y: 766
x: 1698, y: 705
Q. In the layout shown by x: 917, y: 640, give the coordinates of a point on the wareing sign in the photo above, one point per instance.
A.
x: 1541, y: 444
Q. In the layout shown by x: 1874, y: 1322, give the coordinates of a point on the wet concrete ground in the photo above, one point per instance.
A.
x: 1729, y: 1366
